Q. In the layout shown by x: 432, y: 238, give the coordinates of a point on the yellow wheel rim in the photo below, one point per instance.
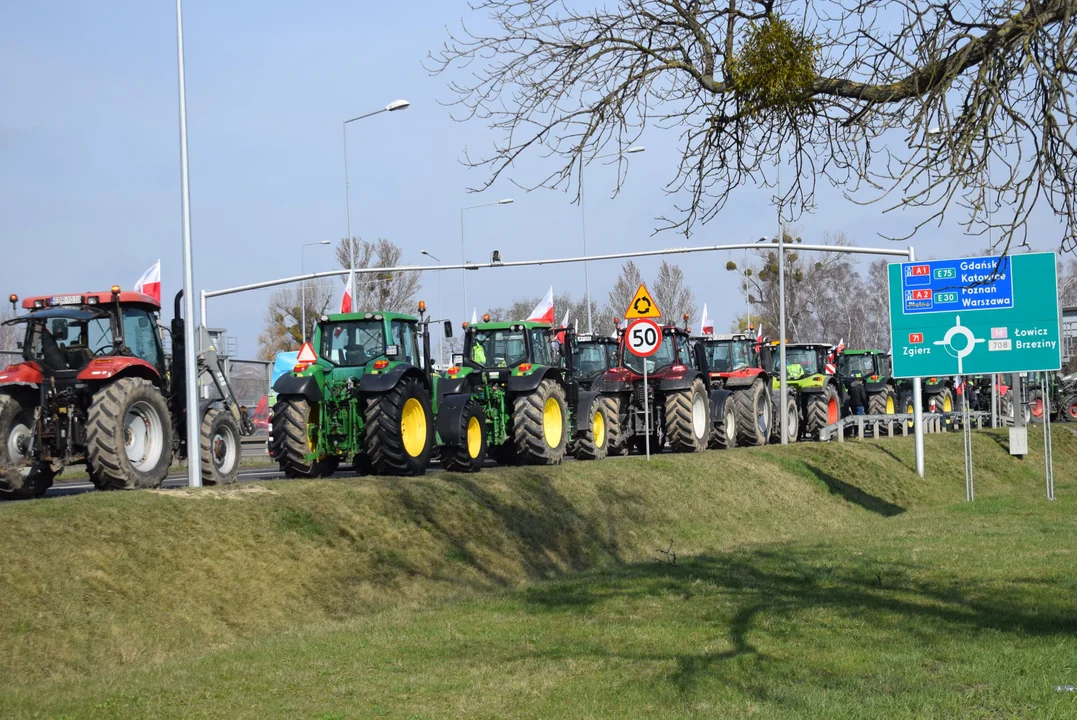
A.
x: 889, y: 406
x: 474, y: 437
x: 552, y: 422
x: 947, y: 404
x: 598, y: 429
x: 413, y: 427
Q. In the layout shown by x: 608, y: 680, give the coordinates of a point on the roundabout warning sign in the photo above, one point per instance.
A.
x: 975, y: 316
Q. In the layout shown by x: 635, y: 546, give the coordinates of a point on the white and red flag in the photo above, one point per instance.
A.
x: 543, y: 312
x: 349, y: 293
x: 150, y: 282
x: 759, y: 335
x: 706, y: 325
x: 564, y: 324
x: 474, y: 315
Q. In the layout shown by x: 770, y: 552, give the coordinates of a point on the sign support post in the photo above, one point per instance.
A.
x: 1048, y: 447
x: 646, y: 413
x: 643, y: 338
x: 917, y: 403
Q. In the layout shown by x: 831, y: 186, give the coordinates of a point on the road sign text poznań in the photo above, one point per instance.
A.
x: 975, y: 316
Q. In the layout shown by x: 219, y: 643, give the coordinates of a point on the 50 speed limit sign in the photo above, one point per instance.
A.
x: 643, y: 337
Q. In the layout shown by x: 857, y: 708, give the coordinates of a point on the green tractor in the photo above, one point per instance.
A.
x: 818, y: 392
x: 369, y: 396
x: 509, y: 369
x: 873, y: 369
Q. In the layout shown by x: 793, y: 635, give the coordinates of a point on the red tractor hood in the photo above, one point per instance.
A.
x: 104, y: 368
x: 26, y: 373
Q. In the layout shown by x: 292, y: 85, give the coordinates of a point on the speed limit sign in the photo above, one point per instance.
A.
x: 643, y: 337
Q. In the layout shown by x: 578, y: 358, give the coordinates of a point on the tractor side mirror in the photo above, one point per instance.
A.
x: 59, y: 328
x: 458, y: 359
x: 448, y: 328
x: 19, y: 344
x: 392, y: 351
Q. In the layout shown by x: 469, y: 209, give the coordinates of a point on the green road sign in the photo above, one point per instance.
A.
x: 962, y: 317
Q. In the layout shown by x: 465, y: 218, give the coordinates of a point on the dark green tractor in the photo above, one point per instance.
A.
x: 873, y: 371
x: 369, y: 398
x: 509, y: 369
x: 595, y: 430
x: 818, y: 393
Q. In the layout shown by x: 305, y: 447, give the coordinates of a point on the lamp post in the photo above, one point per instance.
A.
x: 303, y: 286
x: 391, y: 107
x: 441, y: 340
x: 463, y: 258
x: 583, y: 222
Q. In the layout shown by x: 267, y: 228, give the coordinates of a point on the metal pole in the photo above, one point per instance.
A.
x: 202, y: 308
x: 441, y: 337
x: 782, y: 385
x: 1048, y: 445
x: 194, y: 422
x: 463, y: 261
x: 917, y: 408
x: 583, y: 230
x: 646, y: 413
x: 303, y: 293
x: 347, y: 194
x: 994, y: 401
x: 966, y: 437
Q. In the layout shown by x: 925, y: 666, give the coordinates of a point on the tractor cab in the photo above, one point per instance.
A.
x: 733, y: 354
x: 504, y: 349
x: 675, y: 355
x: 864, y: 364
x: 589, y: 356
x: 353, y: 344
x: 801, y: 360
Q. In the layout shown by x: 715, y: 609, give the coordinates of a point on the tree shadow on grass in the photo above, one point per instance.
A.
x: 855, y: 495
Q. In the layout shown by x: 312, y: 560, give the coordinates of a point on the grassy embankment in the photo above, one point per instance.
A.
x: 815, y: 580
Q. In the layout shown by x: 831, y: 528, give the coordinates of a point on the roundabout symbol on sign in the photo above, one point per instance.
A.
x: 960, y: 353
x: 643, y: 337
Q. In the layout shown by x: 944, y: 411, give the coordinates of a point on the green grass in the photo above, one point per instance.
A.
x: 815, y: 580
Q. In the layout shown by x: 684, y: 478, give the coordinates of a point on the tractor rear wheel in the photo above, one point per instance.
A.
x: 1037, y: 407
x: 19, y: 481
x: 823, y: 409
x: 400, y: 429
x: 941, y: 402
x: 615, y: 442
x: 792, y: 422
x: 687, y: 418
x: 724, y: 433
x: 471, y: 453
x: 220, y: 448
x: 540, y: 425
x: 128, y: 436
x: 291, y: 443
x: 882, y: 403
x: 1068, y: 412
x: 752, y: 405
x: 594, y: 443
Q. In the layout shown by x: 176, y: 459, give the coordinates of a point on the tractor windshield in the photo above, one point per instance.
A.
x: 67, y: 339
x: 591, y: 359
x: 805, y: 360
x: 728, y: 355
x: 497, y: 348
x: 856, y: 365
x: 353, y: 343
x: 662, y: 358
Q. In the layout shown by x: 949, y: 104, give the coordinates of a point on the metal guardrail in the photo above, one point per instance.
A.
x: 898, y: 425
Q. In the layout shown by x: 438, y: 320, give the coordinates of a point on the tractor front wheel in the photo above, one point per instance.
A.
x: 128, y: 436
x: 615, y: 427
x: 724, y: 432
x: 882, y: 403
x: 470, y: 454
x: 792, y: 422
x: 540, y: 425
x: 220, y: 448
x: 19, y: 480
x: 400, y: 430
x: 687, y: 418
x: 1037, y: 407
x: 593, y: 443
x: 942, y: 402
x: 752, y: 405
x: 823, y: 409
x: 291, y: 443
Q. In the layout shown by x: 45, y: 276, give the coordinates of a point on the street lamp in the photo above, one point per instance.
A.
x: 441, y: 339
x: 463, y: 258
x: 583, y: 223
x: 303, y: 286
x: 391, y: 107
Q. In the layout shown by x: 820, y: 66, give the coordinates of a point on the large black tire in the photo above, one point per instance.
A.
x: 792, y: 418
x: 128, y: 436
x: 882, y: 403
x: 687, y: 418
x: 822, y: 409
x: 468, y: 456
x: 1037, y: 407
x: 940, y: 401
x: 1068, y: 411
x: 19, y: 481
x: 219, y: 446
x: 540, y: 425
x: 400, y: 430
x: 724, y: 431
x: 618, y: 417
x: 754, y: 414
x: 290, y: 441
x: 594, y: 442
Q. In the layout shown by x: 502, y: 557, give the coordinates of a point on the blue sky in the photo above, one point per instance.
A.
x: 89, y: 162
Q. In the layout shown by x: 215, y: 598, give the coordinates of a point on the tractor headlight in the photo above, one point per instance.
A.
x: 92, y: 300
x: 38, y: 304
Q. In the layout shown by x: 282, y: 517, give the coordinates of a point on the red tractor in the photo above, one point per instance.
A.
x: 738, y: 363
x: 96, y: 388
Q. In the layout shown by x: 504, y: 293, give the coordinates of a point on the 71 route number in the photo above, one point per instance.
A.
x: 643, y: 337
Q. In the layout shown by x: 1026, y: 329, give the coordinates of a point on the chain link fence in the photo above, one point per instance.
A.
x: 10, y: 357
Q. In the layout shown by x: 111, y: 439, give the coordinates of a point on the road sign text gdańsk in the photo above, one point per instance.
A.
x: 974, y: 316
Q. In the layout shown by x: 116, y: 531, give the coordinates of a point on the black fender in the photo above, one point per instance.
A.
x: 718, y: 398
x: 382, y: 383
x: 305, y: 386
x: 523, y: 384
x: 454, y: 386
x: 601, y: 385
x: 682, y: 383
x: 582, y: 412
x: 449, y: 419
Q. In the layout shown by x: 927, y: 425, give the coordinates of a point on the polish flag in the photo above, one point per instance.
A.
x: 346, y: 298
x: 543, y: 312
x: 474, y: 315
x: 706, y: 325
x: 759, y: 335
x: 150, y: 282
x: 564, y: 324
